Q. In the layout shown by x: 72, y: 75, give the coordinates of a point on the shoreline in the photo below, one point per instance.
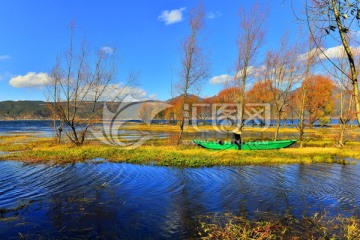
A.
x: 319, y: 147
x: 31, y: 149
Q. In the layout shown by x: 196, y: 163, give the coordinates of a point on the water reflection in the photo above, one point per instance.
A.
x: 110, y: 200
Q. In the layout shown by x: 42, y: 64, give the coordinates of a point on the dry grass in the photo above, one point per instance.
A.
x: 45, y: 150
x: 163, y: 152
x: 318, y: 226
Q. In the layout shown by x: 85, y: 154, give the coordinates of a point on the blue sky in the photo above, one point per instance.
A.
x: 33, y: 33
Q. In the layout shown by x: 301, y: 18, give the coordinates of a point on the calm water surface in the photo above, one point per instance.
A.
x: 120, y: 201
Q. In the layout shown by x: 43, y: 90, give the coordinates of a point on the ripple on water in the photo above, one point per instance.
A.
x: 128, y: 199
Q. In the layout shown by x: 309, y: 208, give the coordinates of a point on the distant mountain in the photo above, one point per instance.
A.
x: 174, y: 99
x: 39, y: 110
x: 24, y: 110
x: 11, y: 110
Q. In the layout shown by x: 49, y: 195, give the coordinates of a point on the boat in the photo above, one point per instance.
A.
x: 258, y: 145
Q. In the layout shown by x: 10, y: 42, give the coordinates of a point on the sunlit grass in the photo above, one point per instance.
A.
x: 45, y: 150
x: 320, y: 148
x: 318, y: 226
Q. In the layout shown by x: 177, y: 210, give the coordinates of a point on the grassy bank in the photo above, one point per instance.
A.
x: 319, y: 226
x: 42, y: 150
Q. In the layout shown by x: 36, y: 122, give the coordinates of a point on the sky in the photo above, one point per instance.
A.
x: 146, y: 34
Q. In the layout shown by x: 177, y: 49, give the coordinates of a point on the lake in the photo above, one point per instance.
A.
x: 119, y: 201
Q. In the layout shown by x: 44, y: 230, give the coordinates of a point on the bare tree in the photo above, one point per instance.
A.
x: 282, y: 69
x: 52, y: 98
x: 194, y: 63
x: 145, y: 112
x: 150, y: 110
x: 308, y: 62
x: 339, y: 19
x: 77, y: 86
x: 250, y: 39
x: 346, y: 99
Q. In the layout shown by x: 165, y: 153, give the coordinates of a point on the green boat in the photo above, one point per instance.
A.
x: 258, y: 145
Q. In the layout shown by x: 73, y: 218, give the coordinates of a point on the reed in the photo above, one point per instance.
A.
x: 318, y: 226
x: 319, y: 148
x: 44, y: 151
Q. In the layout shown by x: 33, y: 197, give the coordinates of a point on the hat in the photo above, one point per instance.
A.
x: 237, y: 131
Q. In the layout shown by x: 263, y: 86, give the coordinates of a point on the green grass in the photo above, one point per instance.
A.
x: 318, y: 149
x: 45, y: 150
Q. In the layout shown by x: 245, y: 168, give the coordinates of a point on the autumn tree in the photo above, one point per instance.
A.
x: 228, y: 95
x: 319, y: 103
x: 250, y: 39
x: 339, y: 20
x: 194, y: 62
x: 175, y: 113
x: 260, y: 92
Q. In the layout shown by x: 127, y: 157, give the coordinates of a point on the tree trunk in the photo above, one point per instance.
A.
x: 342, y: 134
x: 350, y: 58
x: 184, y: 116
x: 301, y: 117
x: 242, y: 102
x: 277, y: 126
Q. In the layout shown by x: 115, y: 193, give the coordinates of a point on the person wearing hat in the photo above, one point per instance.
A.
x: 237, y: 137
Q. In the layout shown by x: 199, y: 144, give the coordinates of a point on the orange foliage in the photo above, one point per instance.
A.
x: 320, y: 101
x: 260, y: 93
x: 176, y: 111
x: 228, y: 95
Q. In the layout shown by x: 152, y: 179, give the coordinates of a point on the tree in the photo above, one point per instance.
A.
x: 319, y: 98
x: 194, y: 63
x: 260, y: 92
x: 339, y: 19
x: 345, y: 99
x: 282, y: 70
x: 299, y: 98
x: 77, y: 86
x: 175, y: 113
x: 250, y: 39
x: 203, y: 109
x: 145, y: 112
x: 228, y: 95
x: 151, y: 110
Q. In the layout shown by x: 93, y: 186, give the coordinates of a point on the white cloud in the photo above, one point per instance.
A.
x: 4, y: 57
x: 172, y: 16
x: 107, y: 50
x: 254, y: 72
x: 338, y: 52
x: 30, y: 80
x: 118, y: 92
x: 221, y: 79
x: 212, y: 15
x: 134, y: 94
x: 332, y: 53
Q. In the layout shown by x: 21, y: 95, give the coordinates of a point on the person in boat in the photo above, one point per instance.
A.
x: 237, y: 138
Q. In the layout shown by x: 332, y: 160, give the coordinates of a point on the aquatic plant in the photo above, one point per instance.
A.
x: 318, y: 226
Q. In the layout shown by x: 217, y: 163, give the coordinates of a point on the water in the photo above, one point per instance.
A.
x: 119, y: 201
x: 23, y: 126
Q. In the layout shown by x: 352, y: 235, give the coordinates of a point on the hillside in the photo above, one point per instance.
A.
x: 39, y: 110
x: 24, y: 110
x: 11, y: 110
